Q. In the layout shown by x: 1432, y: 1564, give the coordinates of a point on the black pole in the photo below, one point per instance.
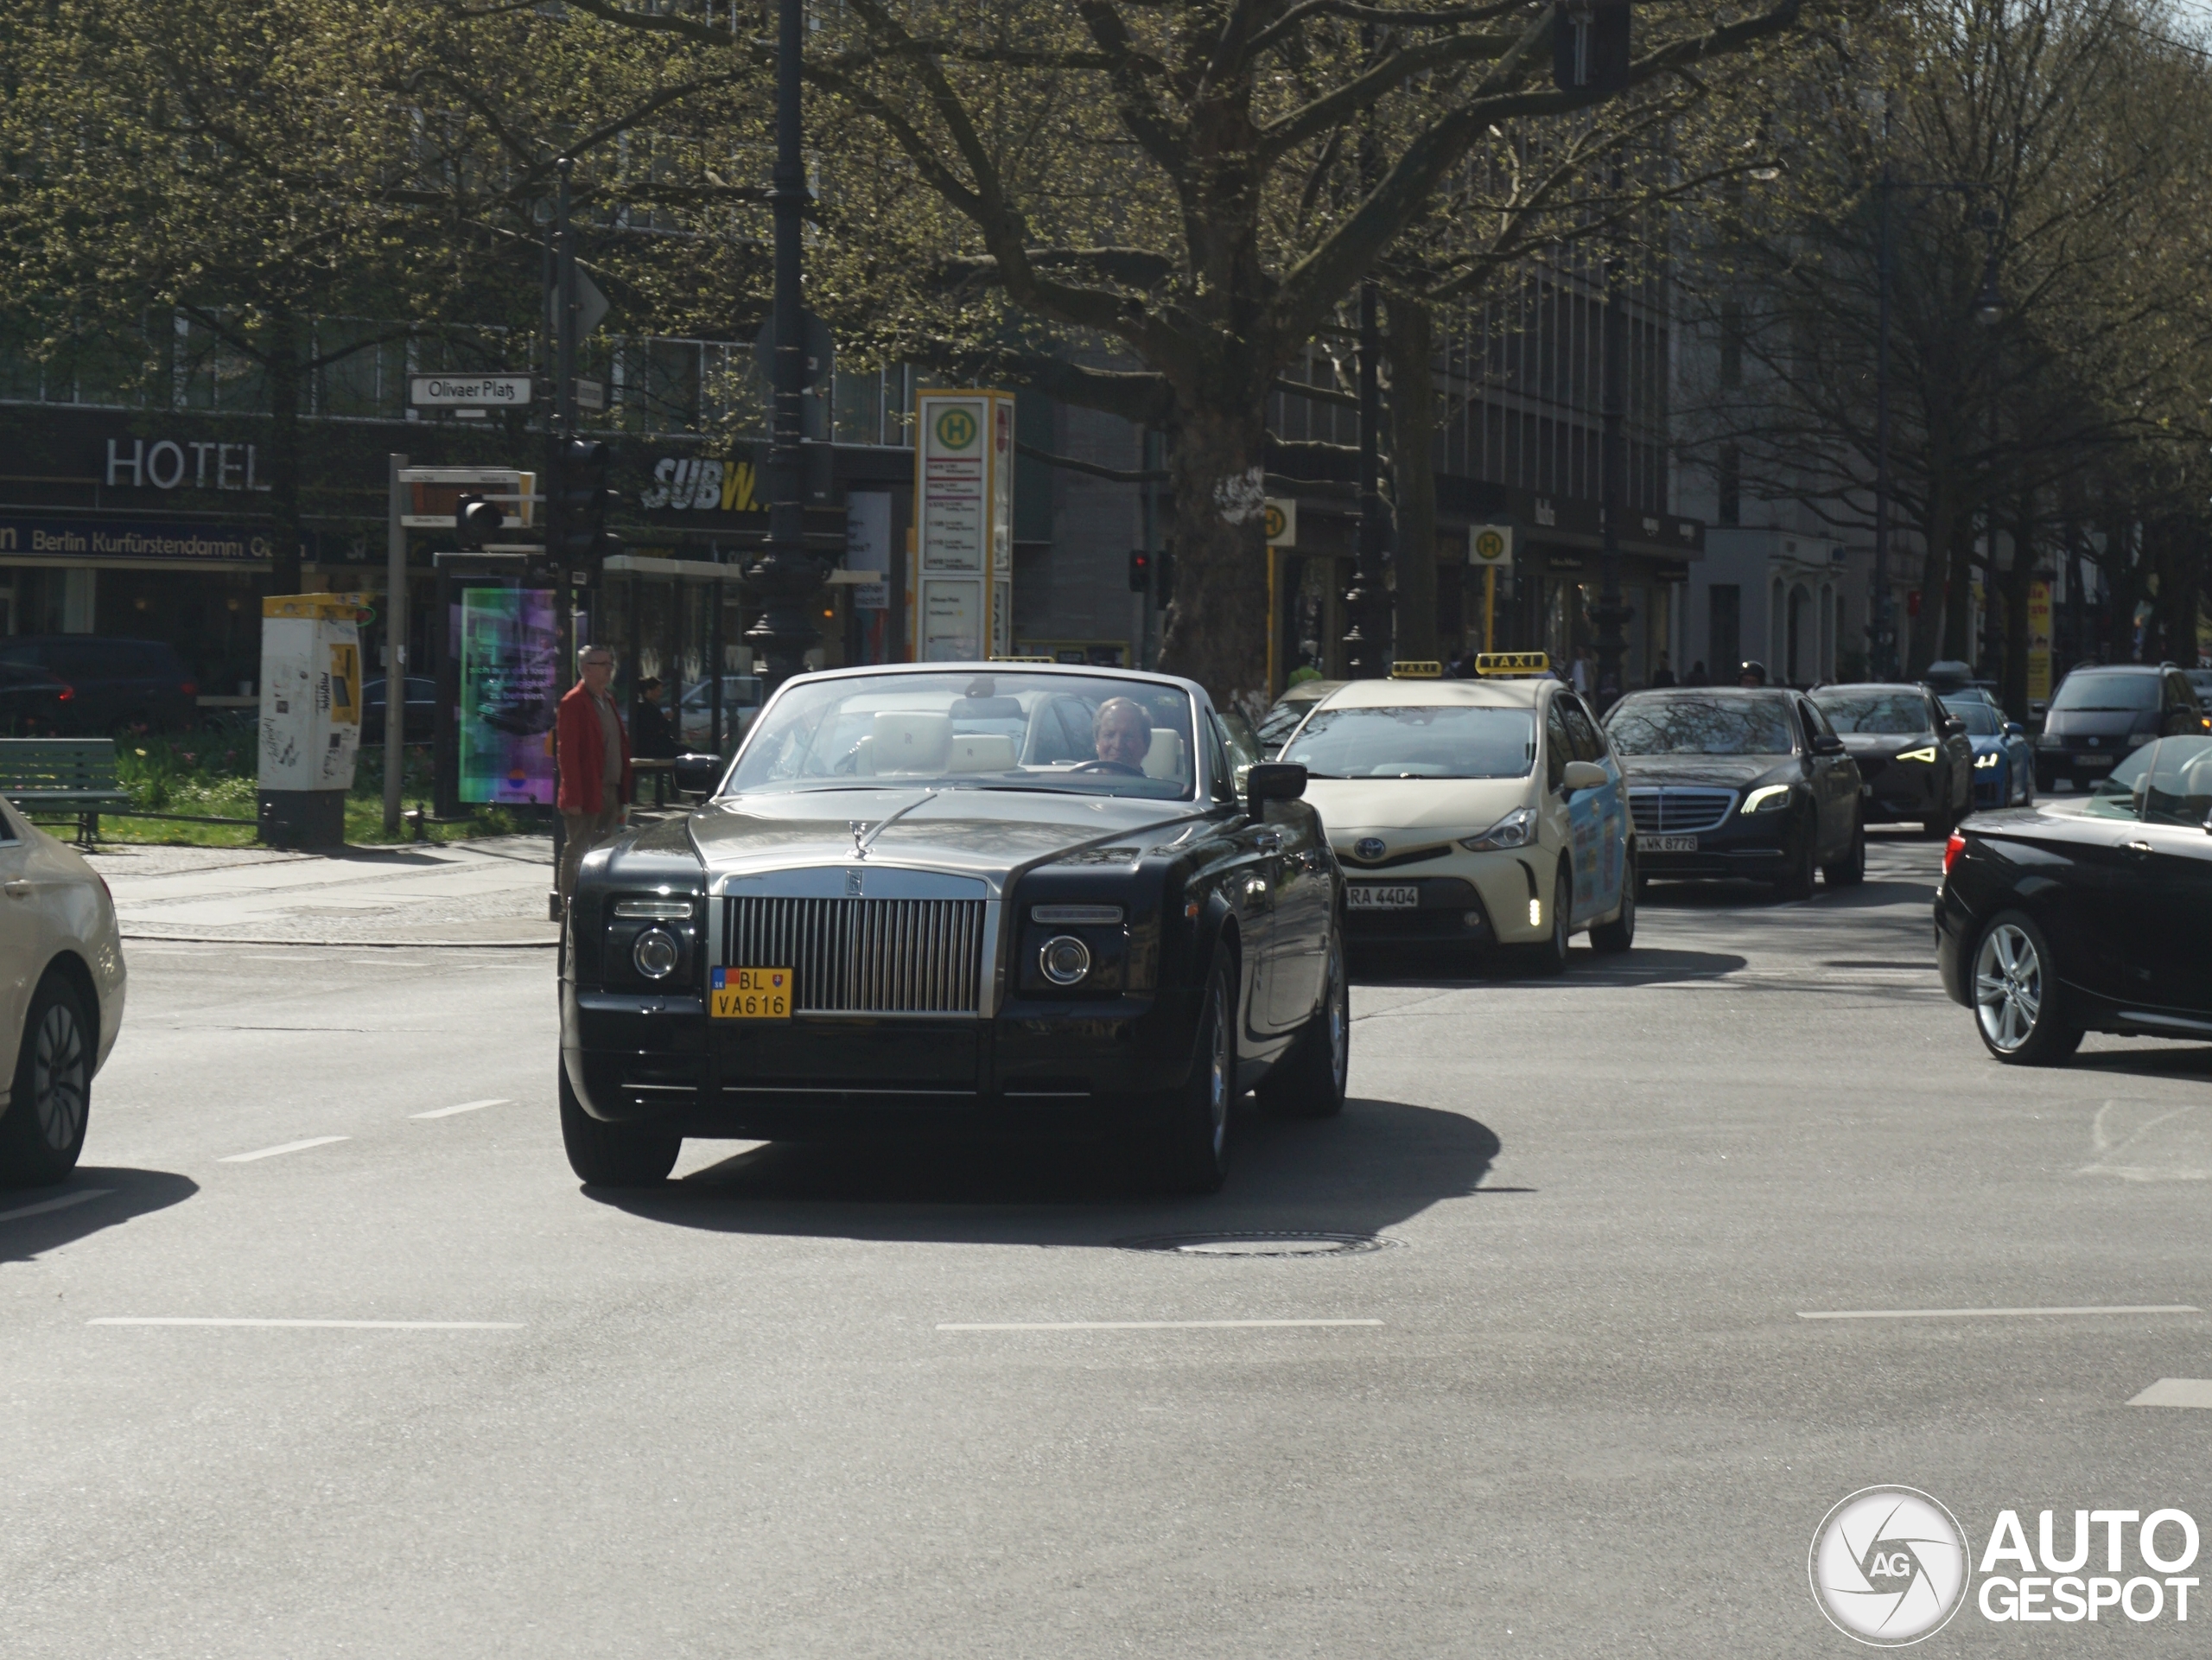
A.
x: 1610, y: 613
x: 783, y: 575
x: 1883, y: 664
x: 1367, y: 652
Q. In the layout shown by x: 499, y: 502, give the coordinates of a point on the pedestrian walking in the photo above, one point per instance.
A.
x: 1697, y: 676
x: 592, y: 752
x: 1662, y: 676
x: 654, y: 738
x: 1753, y: 674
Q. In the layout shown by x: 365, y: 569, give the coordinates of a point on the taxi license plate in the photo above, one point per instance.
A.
x: 1406, y: 898
x: 1668, y: 843
x: 750, y: 995
x: 2093, y: 763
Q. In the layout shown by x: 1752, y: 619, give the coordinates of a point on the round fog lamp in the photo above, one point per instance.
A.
x: 1064, y: 959
x: 655, y: 953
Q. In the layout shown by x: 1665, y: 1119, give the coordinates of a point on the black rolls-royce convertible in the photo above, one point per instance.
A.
x: 939, y: 900
x: 2089, y: 915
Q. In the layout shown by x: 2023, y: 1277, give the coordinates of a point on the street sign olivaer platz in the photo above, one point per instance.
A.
x: 469, y: 391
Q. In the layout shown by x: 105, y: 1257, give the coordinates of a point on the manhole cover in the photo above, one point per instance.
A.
x: 1260, y: 1244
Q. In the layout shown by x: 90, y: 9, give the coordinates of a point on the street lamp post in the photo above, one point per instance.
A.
x: 1367, y: 648
x: 1610, y: 614
x: 784, y: 574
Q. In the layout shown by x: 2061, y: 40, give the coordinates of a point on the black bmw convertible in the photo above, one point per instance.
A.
x: 937, y: 900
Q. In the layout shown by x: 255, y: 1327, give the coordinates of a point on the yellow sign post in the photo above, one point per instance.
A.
x: 1490, y: 546
x: 2039, y: 641
x: 960, y: 578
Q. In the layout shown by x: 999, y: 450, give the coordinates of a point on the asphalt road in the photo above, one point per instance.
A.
x: 1585, y: 1417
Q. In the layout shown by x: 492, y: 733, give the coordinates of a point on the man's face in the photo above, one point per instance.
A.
x: 598, y: 669
x: 1749, y: 680
x: 1122, y: 734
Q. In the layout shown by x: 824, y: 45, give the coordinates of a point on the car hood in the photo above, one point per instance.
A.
x: 2097, y: 723
x: 1884, y: 743
x: 980, y: 833
x: 1732, y: 770
x: 1419, y: 810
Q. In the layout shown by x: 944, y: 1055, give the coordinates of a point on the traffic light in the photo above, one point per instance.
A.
x: 1140, y: 570
x: 579, y: 499
x: 1589, y: 46
x: 476, y: 521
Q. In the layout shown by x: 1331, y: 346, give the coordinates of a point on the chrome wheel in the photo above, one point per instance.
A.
x: 1217, y: 1081
x: 1339, y: 1021
x: 2008, y: 988
x: 60, y: 1078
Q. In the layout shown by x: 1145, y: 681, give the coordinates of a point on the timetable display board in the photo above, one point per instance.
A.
x: 961, y: 579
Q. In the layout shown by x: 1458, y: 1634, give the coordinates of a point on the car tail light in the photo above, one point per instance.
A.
x: 64, y: 695
x: 1952, y: 848
x: 190, y: 689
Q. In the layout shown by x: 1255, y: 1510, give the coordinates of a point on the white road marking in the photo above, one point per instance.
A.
x: 2176, y: 1392
x: 1137, y: 1324
x: 1984, y: 1313
x: 60, y: 1204
x: 465, y: 1106
x: 333, y: 1324
x: 289, y: 1147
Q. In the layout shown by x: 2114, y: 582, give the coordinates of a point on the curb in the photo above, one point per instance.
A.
x: 351, y: 945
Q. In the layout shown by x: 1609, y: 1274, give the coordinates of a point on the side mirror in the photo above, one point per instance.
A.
x: 1580, y: 775
x: 1954, y: 728
x: 1826, y: 743
x: 2014, y: 729
x: 698, y: 774
x: 1273, y: 780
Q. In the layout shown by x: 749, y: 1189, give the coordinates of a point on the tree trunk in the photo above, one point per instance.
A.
x: 1215, y: 631
x: 1958, y: 593
x: 1409, y: 348
x: 2013, y: 686
x: 285, y: 389
x: 1925, y: 629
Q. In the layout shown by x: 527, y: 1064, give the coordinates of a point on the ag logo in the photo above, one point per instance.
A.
x: 955, y: 428
x: 1370, y: 848
x: 1489, y: 547
x: 1889, y: 1566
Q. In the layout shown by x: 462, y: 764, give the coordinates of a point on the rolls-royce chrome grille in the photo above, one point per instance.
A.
x: 865, y: 957
x: 1665, y: 810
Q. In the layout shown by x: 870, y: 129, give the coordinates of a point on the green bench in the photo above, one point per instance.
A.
x: 48, y: 776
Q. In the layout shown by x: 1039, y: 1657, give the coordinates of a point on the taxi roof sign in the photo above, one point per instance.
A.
x: 1509, y: 663
x: 1417, y: 671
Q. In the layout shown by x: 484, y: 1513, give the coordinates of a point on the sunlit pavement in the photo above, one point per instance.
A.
x: 807, y: 1401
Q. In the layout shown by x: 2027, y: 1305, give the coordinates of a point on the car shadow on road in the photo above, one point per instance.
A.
x: 1376, y: 1164
x: 1644, y: 966
x: 34, y: 1220
x: 2155, y: 1057
x: 1759, y: 896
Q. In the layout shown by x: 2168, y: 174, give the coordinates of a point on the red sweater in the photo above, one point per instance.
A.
x: 579, y: 752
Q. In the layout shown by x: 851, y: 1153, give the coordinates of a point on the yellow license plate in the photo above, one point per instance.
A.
x: 750, y: 995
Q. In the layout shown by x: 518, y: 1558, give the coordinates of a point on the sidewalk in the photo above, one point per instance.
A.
x: 488, y: 893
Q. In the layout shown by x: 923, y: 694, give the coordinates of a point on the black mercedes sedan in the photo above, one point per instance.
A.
x: 2089, y: 915
x: 1729, y: 781
x: 939, y: 900
x: 1915, y: 759
x: 2103, y: 712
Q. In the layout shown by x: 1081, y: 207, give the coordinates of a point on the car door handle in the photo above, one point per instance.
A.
x: 2136, y: 849
x: 15, y: 888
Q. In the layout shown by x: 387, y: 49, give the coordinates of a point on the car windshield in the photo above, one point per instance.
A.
x: 1432, y: 741
x: 1982, y: 721
x: 2169, y: 782
x: 1885, y: 714
x: 2107, y: 693
x: 980, y: 728
x: 1700, y: 726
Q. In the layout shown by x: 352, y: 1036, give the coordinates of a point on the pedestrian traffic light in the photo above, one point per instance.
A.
x: 577, y: 532
x: 476, y: 521
x: 1140, y: 570
x: 1589, y: 46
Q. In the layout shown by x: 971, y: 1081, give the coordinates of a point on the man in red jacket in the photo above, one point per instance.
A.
x: 592, y: 754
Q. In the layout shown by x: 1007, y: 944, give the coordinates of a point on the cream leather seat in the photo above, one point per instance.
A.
x: 1165, y: 758
x: 980, y: 752
x: 909, y: 742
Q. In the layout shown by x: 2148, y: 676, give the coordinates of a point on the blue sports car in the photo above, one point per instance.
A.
x: 2004, y: 760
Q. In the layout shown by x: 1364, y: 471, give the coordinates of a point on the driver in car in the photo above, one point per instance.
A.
x: 1123, y: 735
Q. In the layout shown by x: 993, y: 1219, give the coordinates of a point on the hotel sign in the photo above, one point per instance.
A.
x: 95, y: 539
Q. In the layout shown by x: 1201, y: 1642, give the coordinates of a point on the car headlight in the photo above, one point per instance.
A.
x: 1927, y: 754
x: 1768, y: 798
x: 656, y: 953
x: 1992, y: 759
x: 1517, y: 830
x: 1064, y: 959
x: 2137, y: 739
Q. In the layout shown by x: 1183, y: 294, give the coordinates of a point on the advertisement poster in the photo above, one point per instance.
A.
x: 509, y: 652
x: 2039, y: 641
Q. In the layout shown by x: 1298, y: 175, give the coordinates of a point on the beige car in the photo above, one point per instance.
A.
x: 62, y: 984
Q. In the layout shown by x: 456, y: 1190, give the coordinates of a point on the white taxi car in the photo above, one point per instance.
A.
x: 62, y: 985
x: 1472, y: 812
